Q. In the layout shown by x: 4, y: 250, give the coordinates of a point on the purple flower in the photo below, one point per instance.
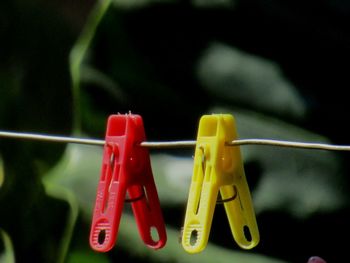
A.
x: 316, y: 260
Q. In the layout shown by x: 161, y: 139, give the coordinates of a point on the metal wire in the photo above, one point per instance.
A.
x: 178, y: 144
x: 51, y: 138
x: 169, y: 144
x: 292, y: 144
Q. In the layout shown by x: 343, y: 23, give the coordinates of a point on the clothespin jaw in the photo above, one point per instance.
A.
x: 218, y: 168
x: 126, y: 169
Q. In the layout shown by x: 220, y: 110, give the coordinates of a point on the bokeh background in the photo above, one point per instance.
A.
x: 280, y: 67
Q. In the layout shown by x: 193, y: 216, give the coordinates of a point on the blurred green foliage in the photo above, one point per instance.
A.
x: 277, y: 66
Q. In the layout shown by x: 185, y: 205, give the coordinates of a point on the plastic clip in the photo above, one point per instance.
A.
x: 218, y: 167
x: 126, y: 169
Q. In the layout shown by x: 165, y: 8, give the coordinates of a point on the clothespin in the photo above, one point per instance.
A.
x: 218, y: 168
x: 126, y: 169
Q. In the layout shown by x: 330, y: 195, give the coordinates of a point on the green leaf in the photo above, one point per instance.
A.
x: 7, y: 255
x: 78, y: 171
x: 241, y: 78
x: 85, y: 256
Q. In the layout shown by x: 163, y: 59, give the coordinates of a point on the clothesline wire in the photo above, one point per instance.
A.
x: 177, y: 144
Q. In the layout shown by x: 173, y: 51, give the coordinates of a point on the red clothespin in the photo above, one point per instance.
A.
x: 126, y: 169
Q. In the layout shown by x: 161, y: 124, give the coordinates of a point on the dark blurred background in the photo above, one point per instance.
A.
x: 280, y: 67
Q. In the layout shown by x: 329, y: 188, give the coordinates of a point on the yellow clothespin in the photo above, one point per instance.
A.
x: 218, y: 167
